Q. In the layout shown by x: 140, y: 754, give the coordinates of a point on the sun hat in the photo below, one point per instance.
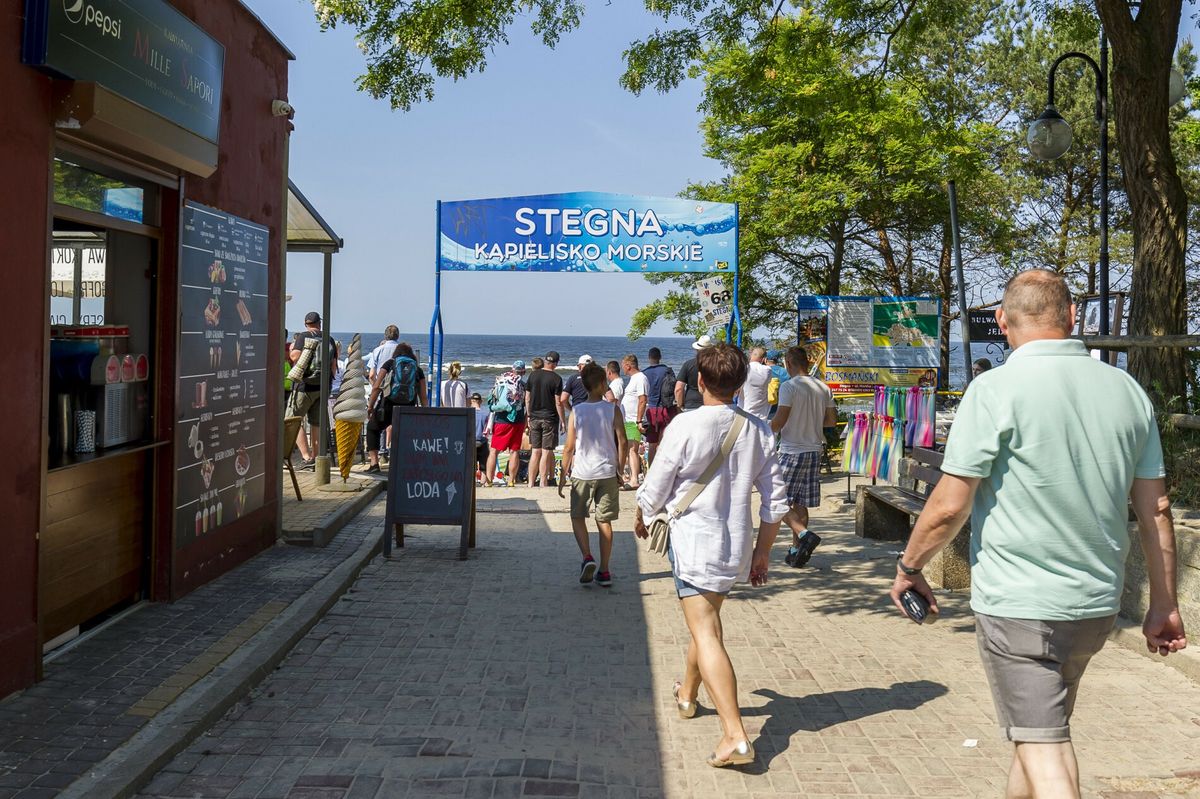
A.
x: 518, y: 365
x: 585, y: 360
x: 703, y: 343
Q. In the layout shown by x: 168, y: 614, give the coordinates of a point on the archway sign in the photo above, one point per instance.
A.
x: 582, y: 232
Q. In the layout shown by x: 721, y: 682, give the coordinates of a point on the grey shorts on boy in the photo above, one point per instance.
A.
x: 603, y: 495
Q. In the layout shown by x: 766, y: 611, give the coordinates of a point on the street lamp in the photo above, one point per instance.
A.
x: 1050, y: 137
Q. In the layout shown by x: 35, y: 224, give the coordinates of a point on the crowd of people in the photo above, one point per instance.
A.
x: 1046, y: 455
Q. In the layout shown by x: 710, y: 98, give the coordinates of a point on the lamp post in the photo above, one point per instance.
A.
x: 1050, y: 137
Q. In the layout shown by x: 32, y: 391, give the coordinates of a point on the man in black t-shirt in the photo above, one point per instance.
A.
x: 574, y: 391
x: 543, y: 388
x: 687, y: 390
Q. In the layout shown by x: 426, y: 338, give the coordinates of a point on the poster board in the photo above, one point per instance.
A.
x: 856, y: 343
x: 221, y: 426
x: 431, y: 475
x: 716, y: 302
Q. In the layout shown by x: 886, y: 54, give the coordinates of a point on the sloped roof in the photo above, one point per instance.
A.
x: 307, y: 231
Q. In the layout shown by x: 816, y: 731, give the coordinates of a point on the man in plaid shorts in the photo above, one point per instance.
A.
x: 805, y: 410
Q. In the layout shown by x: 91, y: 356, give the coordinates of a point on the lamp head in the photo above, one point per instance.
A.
x: 1176, y: 87
x: 1049, y: 136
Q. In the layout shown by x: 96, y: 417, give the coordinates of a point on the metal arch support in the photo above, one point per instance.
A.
x: 735, y: 321
x: 433, y: 380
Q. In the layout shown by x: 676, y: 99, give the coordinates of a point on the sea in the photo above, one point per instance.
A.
x: 483, y: 357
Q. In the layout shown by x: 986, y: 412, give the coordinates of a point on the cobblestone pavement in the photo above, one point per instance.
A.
x: 101, y: 691
x: 502, y: 676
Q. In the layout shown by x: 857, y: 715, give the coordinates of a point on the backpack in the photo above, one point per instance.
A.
x: 666, y: 391
x: 402, y: 388
x: 508, y: 397
x: 312, y: 372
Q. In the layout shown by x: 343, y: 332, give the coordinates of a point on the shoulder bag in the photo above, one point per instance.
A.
x: 659, y: 525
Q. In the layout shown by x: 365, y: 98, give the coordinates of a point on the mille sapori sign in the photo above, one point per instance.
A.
x: 144, y: 50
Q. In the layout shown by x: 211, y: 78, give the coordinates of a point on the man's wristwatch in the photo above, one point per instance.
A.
x: 906, y: 569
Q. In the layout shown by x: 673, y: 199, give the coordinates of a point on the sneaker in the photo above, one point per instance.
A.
x: 587, y: 571
x: 808, y: 542
x: 604, y: 579
x: 373, y: 469
x: 790, y: 558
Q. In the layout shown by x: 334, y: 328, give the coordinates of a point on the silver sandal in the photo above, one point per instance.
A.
x: 686, y: 710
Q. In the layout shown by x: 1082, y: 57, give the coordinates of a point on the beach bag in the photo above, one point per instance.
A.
x: 403, y: 388
x: 659, y: 524
x: 507, y: 398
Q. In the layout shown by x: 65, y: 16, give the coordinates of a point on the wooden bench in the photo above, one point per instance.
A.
x: 885, y: 513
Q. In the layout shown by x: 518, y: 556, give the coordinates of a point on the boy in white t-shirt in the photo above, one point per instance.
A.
x: 593, y: 454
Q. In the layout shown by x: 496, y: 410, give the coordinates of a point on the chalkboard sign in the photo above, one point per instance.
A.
x: 431, y: 476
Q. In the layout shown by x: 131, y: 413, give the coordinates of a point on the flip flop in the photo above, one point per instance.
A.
x: 686, y: 710
x: 742, y: 755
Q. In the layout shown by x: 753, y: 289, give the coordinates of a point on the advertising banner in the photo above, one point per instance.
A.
x: 144, y: 50
x: 587, y: 232
x: 716, y: 302
x: 222, y: 424
x: 857, y: 343
x: 984, y: 327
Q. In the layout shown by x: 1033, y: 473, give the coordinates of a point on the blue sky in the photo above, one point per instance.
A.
x: 536, y: 121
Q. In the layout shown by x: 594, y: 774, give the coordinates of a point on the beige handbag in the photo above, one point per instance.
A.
x: 659, y: 524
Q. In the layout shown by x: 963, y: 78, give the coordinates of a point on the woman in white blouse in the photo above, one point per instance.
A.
x: 712, y: 545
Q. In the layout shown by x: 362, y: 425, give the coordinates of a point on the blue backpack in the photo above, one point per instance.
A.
x: 403, y: 390
x: 507, y: 399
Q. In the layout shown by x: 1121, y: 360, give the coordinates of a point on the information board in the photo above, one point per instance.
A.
x: 716, y: 302
x: 431, y: 476
x: 984, y: 328
x: 222, y: 367
x: 857, y: 343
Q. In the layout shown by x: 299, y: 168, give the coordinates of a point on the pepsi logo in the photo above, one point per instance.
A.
x: 74, y: 10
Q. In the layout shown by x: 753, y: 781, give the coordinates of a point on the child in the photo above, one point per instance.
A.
x: 596, y: 447
x: 482, y: 419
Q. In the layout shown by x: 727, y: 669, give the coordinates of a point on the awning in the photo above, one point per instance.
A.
x: 307, y: 231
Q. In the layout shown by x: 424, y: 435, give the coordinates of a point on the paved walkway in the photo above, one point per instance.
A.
x: 501, y: 676
x: 99, y: 692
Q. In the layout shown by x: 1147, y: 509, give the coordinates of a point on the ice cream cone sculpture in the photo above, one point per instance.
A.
x: 350, y: 410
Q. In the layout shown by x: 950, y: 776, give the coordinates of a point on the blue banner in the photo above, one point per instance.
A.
x: 588, y: 232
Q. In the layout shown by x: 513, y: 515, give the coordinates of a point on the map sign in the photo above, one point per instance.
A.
x: 857, y: 343
x: 716, y: 302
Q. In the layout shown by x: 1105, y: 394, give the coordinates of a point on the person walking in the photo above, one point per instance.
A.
x: 483, y: 418
x: 660, y: 400
x: 593, y: 454
x: 1046, y: 456
x: 545, y: 417
x: 616, y: 386
x: 382, y: 352
x: 455, y: 390
x: 805, y: 409
x: 754, y: 392
x: 633, y: 405
x: 306, y: 392
x: 687, y: 389
x: 399, y: 381
x: 712, y: 544
x: 779, y: 376
x: 507, y: 405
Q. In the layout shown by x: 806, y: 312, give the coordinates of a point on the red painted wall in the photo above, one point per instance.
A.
x: 249, y: 182
x: 25, y: 145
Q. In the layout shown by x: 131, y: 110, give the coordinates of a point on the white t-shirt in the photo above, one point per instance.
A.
x: 714, y: 540
x: 595, y: 444
x: 454, y: 394
x: 754, y: 391
x: 808, y: 399
x: 636, y: 385
x: 617, y: 387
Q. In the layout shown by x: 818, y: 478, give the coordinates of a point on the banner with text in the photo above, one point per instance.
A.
x: 588, y: 232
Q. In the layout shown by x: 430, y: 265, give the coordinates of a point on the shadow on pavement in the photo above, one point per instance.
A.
x: 788, y: 715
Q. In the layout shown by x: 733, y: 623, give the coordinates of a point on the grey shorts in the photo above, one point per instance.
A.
x: 1034, y: 668
x: 543, y: 433
x: 603, y: 495
x: 306, y: 403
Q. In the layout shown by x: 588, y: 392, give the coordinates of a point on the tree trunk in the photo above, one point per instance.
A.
x: 837, y: 232
x: 891, y: 269
x: 1142, y: 54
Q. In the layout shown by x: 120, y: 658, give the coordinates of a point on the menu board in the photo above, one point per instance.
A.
x: 431, y: 479
x: 222, y: 367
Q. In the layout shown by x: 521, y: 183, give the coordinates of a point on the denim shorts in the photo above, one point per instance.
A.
x: 682, y: 587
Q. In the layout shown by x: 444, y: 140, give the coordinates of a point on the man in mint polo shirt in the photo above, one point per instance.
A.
x: 1045, y: 453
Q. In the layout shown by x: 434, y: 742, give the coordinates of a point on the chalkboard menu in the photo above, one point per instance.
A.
x: 222, y: 369
x: 431, y: 477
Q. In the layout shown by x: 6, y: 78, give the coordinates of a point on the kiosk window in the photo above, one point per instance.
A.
x: 78, y: 278
x: 82, y: 188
